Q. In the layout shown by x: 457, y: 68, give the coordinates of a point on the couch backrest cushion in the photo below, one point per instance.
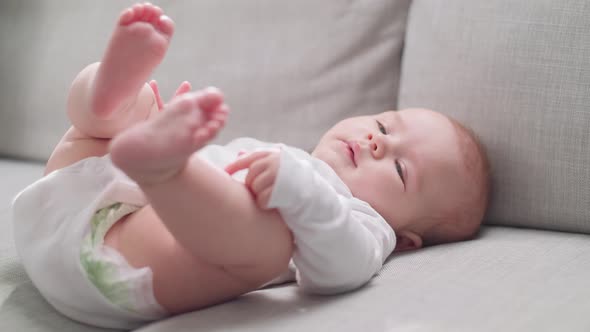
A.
x: 290, y: 69
x: 518, y: 73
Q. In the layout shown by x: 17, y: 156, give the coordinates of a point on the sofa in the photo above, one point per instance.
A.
x: 516, y: 72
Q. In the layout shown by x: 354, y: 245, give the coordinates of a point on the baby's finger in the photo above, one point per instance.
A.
x: 255, y: 170
x: 263, y: 198
x: 262, y: 181
x: 242, y: 162
x: 239, y: 164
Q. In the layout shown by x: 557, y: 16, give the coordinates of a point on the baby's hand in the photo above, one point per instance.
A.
x: 262, y: 171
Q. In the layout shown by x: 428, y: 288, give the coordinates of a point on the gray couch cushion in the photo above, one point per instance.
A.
x: 290, y: 69
x: 507, y: 280
x: 518, y: 73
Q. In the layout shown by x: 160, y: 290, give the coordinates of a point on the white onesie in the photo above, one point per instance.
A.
x: 340, y: 241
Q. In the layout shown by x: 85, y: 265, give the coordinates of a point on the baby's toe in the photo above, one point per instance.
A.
x: 211, y: 99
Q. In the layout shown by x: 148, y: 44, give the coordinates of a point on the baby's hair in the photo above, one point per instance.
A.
x: 462, y: 222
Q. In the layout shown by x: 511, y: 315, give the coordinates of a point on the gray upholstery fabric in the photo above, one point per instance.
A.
x: 518, y: 73
x: 289, y: 69
x: 507, y: 280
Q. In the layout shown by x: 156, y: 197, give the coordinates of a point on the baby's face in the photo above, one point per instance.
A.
x: 406, y: 164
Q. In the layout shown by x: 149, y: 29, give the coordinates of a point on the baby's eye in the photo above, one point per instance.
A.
x: 381, y: 128
x: 400, y: 172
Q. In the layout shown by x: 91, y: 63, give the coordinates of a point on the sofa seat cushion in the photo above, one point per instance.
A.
x: 508, y: 279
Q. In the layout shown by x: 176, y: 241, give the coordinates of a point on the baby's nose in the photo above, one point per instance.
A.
x: 373, y: 146
x: 376, y: 146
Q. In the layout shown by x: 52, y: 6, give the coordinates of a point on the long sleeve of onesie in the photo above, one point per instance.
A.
x: 340, y: 241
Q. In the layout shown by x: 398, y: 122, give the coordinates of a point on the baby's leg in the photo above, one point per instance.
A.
x: 205, y: 212
x: 109, y: 96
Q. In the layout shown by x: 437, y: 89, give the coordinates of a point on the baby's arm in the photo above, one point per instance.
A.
x: 337, y: 248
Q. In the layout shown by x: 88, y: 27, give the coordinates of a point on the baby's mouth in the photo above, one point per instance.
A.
x: 350, y: 152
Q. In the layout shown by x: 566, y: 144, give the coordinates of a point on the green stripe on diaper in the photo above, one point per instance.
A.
x: 103, y: 273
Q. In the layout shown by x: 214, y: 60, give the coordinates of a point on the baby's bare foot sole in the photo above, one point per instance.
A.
x: 137, y: 46
x: 155, y: 150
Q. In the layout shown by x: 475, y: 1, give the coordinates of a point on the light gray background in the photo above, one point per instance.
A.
x: 289, y: 69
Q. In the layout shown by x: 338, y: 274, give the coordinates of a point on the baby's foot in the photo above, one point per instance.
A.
x: 137, y: 46
x: 157, y: 149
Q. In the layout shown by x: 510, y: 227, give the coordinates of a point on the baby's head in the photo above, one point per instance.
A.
x: 425, y: 173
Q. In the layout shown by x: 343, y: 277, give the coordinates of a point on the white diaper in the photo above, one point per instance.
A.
x: 60, y: 222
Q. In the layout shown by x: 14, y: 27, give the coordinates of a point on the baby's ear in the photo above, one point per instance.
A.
x: 407, y: 240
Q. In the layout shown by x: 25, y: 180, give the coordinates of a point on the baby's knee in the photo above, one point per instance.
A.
x: 79, y: 93
x: 83, y: 116
x: 78, y: 102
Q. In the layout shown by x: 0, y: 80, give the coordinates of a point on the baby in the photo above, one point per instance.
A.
x: 138, y: 218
